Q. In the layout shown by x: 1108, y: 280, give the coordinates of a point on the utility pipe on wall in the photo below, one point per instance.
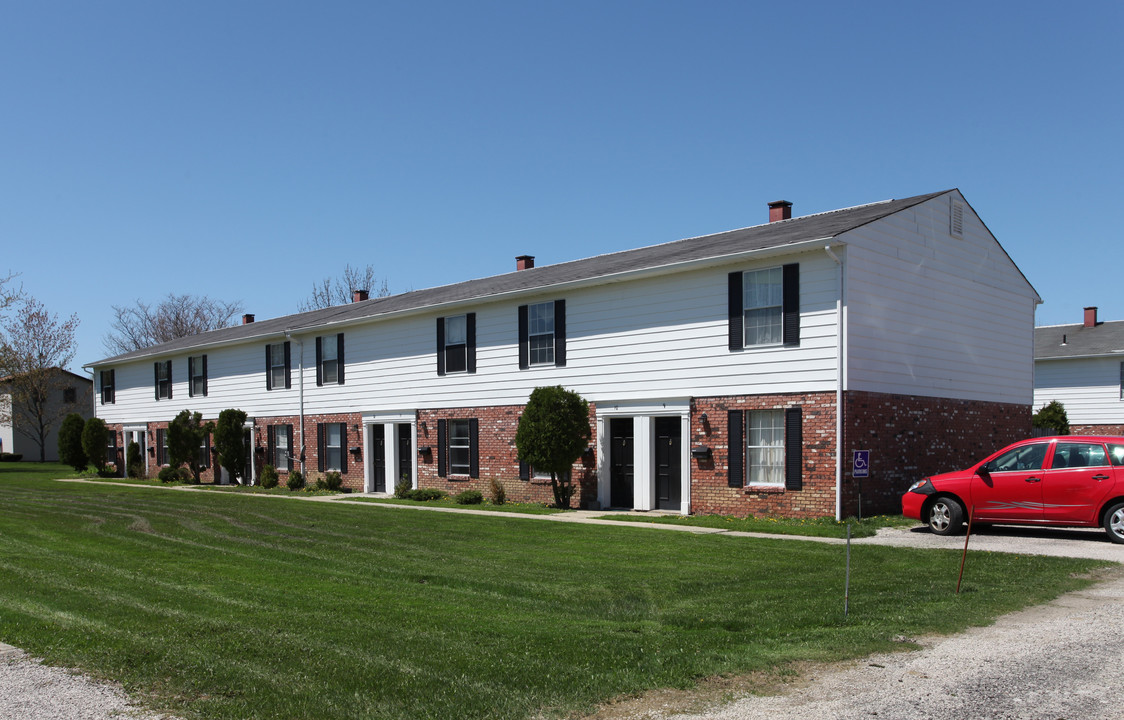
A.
x: 300, y: 386
x: 840, y: 377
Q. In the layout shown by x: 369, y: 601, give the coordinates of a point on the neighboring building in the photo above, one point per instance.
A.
x: 715, y: 368
x: 19, y: 431
x: 1082, y: 367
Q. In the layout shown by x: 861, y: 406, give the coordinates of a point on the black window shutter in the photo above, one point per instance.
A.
x: 169, y: 379
x: 160, y: 446
x: 206, y: 452
x: 470, y: 340
x: 790, y: 304
x: 268, y: 368
x: 440, y: 346
x: 736, y: 442
x: 320, y: 447
x: 524, y: 471
x: 560, y: 333
x: 473, y: 448
x: 524, y: 338
x: 339, y: 358
x: 442, y: 450
x: 270, y: 445
x: 343, y: 447
x: 112, y: 386
x: 156, y: 379
x: 793, y: 449
x: 319, y: 362
x: 288, y: 367
x: 204, y: 376
x: 736, y: 332
x: 190, y: 376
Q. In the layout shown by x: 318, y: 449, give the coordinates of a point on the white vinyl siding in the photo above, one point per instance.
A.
x: 1089, y: 388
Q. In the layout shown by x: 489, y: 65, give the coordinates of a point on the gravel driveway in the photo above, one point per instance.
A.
x: 1051, y: 662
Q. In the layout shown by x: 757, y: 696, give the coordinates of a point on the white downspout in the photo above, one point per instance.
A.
x: 840, y: 377
x: 300, y: 385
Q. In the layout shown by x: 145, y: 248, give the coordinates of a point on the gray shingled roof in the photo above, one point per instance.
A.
x: 1079, y: 341
x: 760, y: 237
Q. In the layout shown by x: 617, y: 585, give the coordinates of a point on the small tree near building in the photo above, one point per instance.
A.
x: 1052, y: 416
x: 231, y: 444
x: 187, y: 434
x: 70, y: 442
x: 95, y: 436
x: 553, y: 433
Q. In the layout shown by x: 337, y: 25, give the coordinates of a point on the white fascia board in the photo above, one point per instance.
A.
x: 1109, y: 354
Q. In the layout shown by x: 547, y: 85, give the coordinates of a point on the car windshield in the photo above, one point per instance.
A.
x: 1024, y: 457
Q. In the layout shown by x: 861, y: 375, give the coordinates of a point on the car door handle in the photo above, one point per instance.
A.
x: 1033, y: 479
x: 1098, y: 478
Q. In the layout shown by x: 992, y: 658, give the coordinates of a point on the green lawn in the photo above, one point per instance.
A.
x: 229, y: 606
x: 510, y: 507
x: 812, y: 527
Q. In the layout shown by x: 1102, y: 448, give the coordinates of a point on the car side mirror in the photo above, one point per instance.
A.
x: 983, y: 471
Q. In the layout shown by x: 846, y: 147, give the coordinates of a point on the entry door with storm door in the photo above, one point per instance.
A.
x: 620, y: 462
x: 405, y: 454
x: 378, y: 459
x: 668, y: 473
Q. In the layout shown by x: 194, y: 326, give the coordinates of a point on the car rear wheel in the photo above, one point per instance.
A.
x: 1114, y: 523
x: 946, y: 516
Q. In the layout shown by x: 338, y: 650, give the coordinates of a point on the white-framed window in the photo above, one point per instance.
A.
x: 278, y: 368
x: 163, y: 380
x: 106, y: 387
x: 333, y: 447
x: 197, y: 376
x: 329, y: 359
x: 765, y: 447
x: 456, y: 343
x: 281, y: 447
x: 460, y: 447
x: 762, y: 305
x: 540, y: 333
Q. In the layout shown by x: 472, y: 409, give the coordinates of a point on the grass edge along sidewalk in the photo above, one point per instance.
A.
x: 212, y: 605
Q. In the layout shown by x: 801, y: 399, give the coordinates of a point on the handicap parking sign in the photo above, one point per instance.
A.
x: 860, y: 465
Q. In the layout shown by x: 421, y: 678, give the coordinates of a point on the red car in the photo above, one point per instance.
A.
x: 1068, y: 480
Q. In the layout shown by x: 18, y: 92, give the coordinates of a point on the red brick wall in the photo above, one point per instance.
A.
x: 910, y: 437
x: 352, y: 478
x: 710, y: 492
x: 1117, y: 430
x: 498, y: 457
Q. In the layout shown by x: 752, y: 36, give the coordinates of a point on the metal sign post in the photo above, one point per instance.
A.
x: 860, y: 468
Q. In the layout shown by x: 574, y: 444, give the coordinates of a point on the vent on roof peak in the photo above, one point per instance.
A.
x: 956, y: 220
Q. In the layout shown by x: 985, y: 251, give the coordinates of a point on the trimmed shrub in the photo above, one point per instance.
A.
x: 469, y: 497
x: 402, y: 489
x: 95, y: 437
x: 1052, y: 417
x: 134, y: 465
x: 11, y: 457
x: 332, y: 481
x: 295, y: 481
x: 170, y: 474
x: 499, y: 494
x: 70, y: 442
x: 426, y: 494
x: 269, y: 477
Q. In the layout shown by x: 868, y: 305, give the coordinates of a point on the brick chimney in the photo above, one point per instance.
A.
x: 247, y: 318
x: 524, y: 262
x: 780, y: 210
x: 1091, y: 316
x: 359, y: 295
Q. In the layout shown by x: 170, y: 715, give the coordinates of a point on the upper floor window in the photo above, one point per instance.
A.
x: 197, y: 376
x: 69, y: 395
x: 329, y: 359
x: 106, y: 377
x: 542, y: 334
x: 163, y: 372
x: 456, y: 344
x: 277, y: 366
x: 764, y: 307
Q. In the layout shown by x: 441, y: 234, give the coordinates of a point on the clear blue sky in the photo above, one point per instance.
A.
x: 244, y: 150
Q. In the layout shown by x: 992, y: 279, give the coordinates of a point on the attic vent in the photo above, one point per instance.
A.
x: 956, y: 220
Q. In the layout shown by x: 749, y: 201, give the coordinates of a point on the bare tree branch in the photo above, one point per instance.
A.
x: 142, y: 325
x: 338, y: 291
x: 36, y: 349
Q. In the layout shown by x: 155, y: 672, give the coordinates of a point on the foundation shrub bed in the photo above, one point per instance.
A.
x: 469, y: 497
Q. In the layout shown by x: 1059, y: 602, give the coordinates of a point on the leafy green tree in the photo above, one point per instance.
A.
x: 186, y: 434
x: 231, y: 443
x: 553, y: 433
x: 70, y: 442
x: 1052, y: 416
x: 94, y: 436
